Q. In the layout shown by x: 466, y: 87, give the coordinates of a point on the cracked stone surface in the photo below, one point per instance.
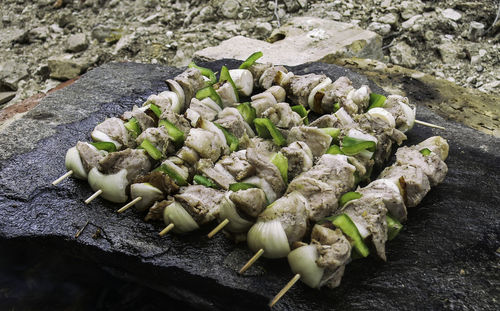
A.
x: 445, y: 258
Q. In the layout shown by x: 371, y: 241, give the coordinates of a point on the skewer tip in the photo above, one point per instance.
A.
x: 429, y: 124
x: 251, y: 261
x: 63, y: 177
x: 129, y: 205
x: 284, y: 290
x: 167, y: 229
x: 92, y: 197
x: 218, y: 228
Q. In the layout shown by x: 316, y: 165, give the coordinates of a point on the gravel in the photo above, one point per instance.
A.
x: 452, y: 39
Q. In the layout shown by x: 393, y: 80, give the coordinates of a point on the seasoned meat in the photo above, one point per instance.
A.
x: 322, y: 197
x: 390, y: 195
x: 393, y: 105
x: 237, y: 165
x: 266, y: 170
x: 437, y: 145
x: 205, y: 143
x: 135, y: 161
x: 158, y: 136
x: 156, y: 211
x: 300, y: 158
x: 290, y: 210
x: 301, y: 86
x: 282, y: 116
x: 140, y: 115
x: 114, y: 128
x: 267, y: 78
x: 226, y: 93
x: 231, y: 119
x: 263, y: 101
x: 334, y: 170
x: 337, y: 93
x: 178, y: 120
x: 89, y: 155
x: 317, y: 140
x: 263, y: 145
x: 327, y: 120
x: 431, y: 165
x: 413, y: 182
x: 359, y: 98
x: 203, y: 110
x: 334, y: 253
x: 370, y: 214
x: 200, y: 202
x: 278, y: 92
x: 160, y: 181
x: 250, y: 202
x: 191, y: 81
x: 215, y: 172
x: 257, y: 70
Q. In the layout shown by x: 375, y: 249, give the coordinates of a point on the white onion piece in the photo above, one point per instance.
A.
x: 410, y: 117
x: 363, y: 231
x: 278, y: 92
x: 269, y: 236
x: 354, y: 133
x: 176, y: 214
x: 320, y: 87
x: 193, y: 116
x: 175, y: 87
x: 209, y: 126
x: 227, y: 94
x: 302, y: 261
x: 102, y: 137
x: 207, y: 101
x: 113, y: 186
x: 243, y: 79
x: 147, y: 192
x: 227, y: 210
x: 344, y: 117
x: 264, y: 186
x: 175, y: 104
x: 384, y: 115
x: 74, y: 162
x: 282, y: 78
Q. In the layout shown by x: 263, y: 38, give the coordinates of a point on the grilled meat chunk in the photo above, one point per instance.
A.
x: 205, y: 143
x: 135, y: 161
x: 237, y: 164
x: 160, y: 181
x: 178, y: 120
x: 203, y: 110
x: 337, y: 93
x: 266, y: 170
x: 263, y: 101
x: 390, y: 195
x: 327, y: 120
x: 191, y: 81
x: 300, y: 158
x: 89, y: 155
x: 140, y: 115
x: 322, y: 197
x: 231, y: 119
x: 431, y: 165
x: 250, y: 202
x: 257, y: 70
x: 267, y: 78
x: 156, y: 211
x: 301, y: 86
x: 215, y: 172
x: 158, y: 136
x: 282, y: 116
x: 317, y: 140
x: 115, y: 129
x: 200, y: 202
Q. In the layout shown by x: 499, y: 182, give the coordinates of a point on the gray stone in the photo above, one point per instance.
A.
x: 65, y: 67
x: 389, y: 18
x: 403, y: 54
x: 206, y: 14
x: 263, y: 29
x: 451, y: 14
x: 11, y: 73
x: 5, y: 97
x: 302, y: 39
x: 476, y: 59
x: 381, y: 29
x: 38, y: 33
x: 449, y: 52
x: 476, y: 30
x: 77, y: 43
x: 101, y: 32
x: 230, y: 8
x: 36, y: 216
x: 302, y: 3
x: 411, y: 8
x: 292, y: 5
x: 411, y: 22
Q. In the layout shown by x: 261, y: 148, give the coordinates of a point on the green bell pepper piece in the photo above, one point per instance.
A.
x: 202, y: 180
x: 376, y: 100
x: 425, y: 152
x: 349, y: 196
x: 393, y: 227
x: 266, y: 129
x: 178, y: 179
x: 133, y: 126
x: 104, y: 145
x: 225, y: 76
x: 352, y: 146
x: 333, y: 132
x: 344, y: 223
x: 334, y: 149
x: 232, y: 141
x: 206, y: 72
x: 251, y: 60
x: 336, y: 106
x: 247, y: 112
x: 155, y: 109
x: 281, y: 163
x: 241, y: 186
x: 176, y: 134
x: 302, y: 112
x: 150, y: 149
x: 209, y: 92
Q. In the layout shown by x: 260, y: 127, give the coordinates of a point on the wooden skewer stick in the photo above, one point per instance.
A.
x: 218, y: 228
x: 129, y: 205
x: 167, y: 229
x: 63, y: 177
x: 92, y: 197
x: 284, y: 290
x: 429, y: 124
x: 252, y: 260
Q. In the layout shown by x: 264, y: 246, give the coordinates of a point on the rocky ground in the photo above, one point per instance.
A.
x: 47, y: 41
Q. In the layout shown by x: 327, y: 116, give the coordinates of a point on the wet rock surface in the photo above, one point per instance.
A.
x: 446, y: 257
x: 169, y: 32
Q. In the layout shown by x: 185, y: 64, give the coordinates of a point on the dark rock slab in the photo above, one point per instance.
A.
x: 445, y: 258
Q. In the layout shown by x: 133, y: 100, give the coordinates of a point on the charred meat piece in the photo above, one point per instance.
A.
x: 135, y: 161
x: 301, y: 86
x: 266, y: 170
x: 390, y: 195
x: 159, y: 180
x: 156, y: 211
x: 200, y: 202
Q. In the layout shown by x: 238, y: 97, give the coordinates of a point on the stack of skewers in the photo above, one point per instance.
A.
x: 196, y: 153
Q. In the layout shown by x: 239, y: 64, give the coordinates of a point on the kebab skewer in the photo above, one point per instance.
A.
x: 372, y: 214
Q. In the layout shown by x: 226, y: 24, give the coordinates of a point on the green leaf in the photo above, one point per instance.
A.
x: 107, y: 146
x: 251, y: 60
x: 376, y: 100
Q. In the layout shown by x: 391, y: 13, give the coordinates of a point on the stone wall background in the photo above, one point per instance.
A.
x: 47, y: 41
